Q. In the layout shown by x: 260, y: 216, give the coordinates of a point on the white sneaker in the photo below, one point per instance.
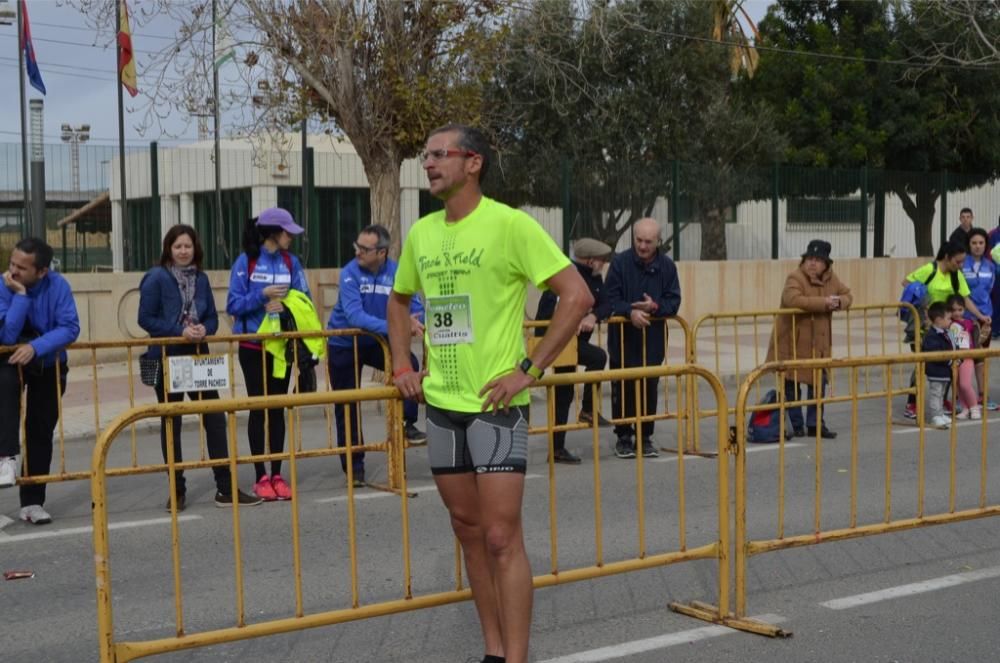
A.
x: 962, y: 414
x: 942, y: 421
x: 976, y: 412
x: 35, y: 515
x: 8, y: 471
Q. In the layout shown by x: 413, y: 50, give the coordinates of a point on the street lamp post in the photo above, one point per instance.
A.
x: 74, y: 136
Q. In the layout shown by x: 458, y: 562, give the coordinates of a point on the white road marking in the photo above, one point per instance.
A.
x: 652, y: 644
x: 959, y: 423
x: 53, y: 533
x: 370, y: 495
x: 911, y: 589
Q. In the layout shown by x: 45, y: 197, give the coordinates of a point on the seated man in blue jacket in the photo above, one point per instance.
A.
x: 642, y: 286
x: 38, y: 315
x: 365, y: 284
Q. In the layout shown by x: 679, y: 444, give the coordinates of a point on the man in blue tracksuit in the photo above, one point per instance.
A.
x: 365, y: 284
x: 38, y: 315
x: 642, y: 286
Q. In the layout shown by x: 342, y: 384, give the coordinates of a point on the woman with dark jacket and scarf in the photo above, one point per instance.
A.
x: 175, y: 299
x: 814, y: 288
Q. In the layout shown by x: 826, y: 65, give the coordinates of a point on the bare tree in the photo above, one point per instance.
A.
x: 383, y: 73
x: 966, y: 32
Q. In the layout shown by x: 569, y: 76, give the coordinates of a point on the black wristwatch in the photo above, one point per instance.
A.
x: 529, y: 368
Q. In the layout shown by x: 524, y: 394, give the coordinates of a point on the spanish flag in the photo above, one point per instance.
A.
x: 126, y: 60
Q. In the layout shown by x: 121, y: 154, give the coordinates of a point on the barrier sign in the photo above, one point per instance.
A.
x: 198, y: 373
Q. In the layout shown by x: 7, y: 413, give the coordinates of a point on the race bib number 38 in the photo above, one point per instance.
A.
x: 449, y: 320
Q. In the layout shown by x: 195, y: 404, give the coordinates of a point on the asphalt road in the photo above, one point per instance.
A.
x: 920, y: 595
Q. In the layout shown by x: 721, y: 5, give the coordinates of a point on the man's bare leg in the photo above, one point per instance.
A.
x: 461, y: 497
x: 500, y: 497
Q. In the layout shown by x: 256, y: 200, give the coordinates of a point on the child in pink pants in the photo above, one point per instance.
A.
x: 962, y: 331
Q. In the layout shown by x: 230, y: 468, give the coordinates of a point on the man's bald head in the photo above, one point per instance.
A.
x: 646, y: 238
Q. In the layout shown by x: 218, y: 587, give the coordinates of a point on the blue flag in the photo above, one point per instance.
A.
x: 34, y: 75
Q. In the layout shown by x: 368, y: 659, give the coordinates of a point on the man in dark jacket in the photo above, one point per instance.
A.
x: 642, y: 286
x: 960, y: 235
x: 38, y: 315
x: 589, y: 257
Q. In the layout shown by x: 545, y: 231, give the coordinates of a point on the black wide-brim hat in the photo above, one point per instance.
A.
x: 818, y: 249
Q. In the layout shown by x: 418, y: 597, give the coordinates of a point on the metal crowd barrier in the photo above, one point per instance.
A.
x: 684, y: 387
x: 134, y: 348
x: 861, y: 519
x: 601, y: 563
x: 868, y: 330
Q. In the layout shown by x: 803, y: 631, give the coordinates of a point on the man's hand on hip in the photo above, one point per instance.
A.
x: 500, y: 391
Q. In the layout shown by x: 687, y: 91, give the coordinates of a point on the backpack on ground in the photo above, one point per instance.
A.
x: 765, y: 425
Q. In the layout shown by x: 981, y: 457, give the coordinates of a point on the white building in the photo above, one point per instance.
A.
x: 255, y: 178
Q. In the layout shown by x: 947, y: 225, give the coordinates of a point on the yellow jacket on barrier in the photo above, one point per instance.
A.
x: 303, y: 311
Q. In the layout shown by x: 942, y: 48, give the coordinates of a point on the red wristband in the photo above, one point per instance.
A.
x: 399, y: 372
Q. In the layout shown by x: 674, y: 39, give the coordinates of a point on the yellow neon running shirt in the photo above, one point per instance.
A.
x: 474, y: 276
x: 939, y: 289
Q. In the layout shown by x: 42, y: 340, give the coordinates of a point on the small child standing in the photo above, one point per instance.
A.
x: 963, y: 332
x: 937, y: 339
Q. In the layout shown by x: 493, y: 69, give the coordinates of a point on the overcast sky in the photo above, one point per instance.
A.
x: 80, y: 74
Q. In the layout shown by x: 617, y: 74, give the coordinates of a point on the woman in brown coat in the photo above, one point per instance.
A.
x: 815, y: 289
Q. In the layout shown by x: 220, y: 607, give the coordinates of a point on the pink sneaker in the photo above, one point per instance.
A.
x: 280, y: 487
x: 264, y: 490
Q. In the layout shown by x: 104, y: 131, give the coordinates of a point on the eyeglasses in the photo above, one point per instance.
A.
x: 438, y: 155
x: 365, y: 249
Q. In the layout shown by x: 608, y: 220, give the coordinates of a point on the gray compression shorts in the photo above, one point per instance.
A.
x: 481, y: 442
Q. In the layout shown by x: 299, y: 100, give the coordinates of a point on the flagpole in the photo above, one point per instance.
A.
x: 126, y: 249
x: 218, y: 149
x: 26, y: 222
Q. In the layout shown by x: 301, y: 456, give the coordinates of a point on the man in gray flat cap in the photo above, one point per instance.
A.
x: 589, y: 256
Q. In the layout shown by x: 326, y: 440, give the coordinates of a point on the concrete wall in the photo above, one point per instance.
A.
x: 108, y: 303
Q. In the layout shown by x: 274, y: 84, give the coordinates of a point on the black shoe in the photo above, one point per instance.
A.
x: 414, y: 435
x: 181, y: 504
x: 565, y: 456
x: 648, y: 450
x: 223, y: 500
x: 799, y: 431
x: 824, y: 433
x: 625, y: 447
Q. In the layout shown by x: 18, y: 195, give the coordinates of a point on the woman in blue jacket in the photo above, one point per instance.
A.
x: 261, y: 277
x: 980, y: 273
x: 175, y: 299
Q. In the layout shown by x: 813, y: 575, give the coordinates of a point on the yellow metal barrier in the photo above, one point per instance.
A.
x: 815, y: 532
x: 868, y: 330
x: 101, y: 389
x: 112, y: 650
x: 684, y: 390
